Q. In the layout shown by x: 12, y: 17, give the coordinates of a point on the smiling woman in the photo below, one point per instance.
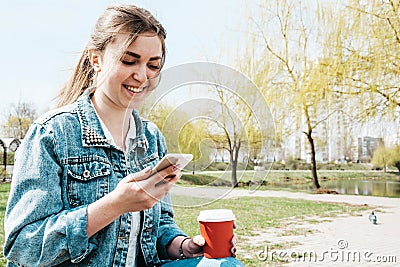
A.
x: 125, y: 81
x: 82, y: 189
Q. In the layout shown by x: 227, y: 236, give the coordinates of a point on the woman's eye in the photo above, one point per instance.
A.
x: 127, y: 62
x: 155, y: 67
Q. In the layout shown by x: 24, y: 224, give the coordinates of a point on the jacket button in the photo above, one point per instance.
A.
x: 86, y: 173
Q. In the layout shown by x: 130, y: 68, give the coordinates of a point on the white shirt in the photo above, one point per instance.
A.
x: 131, y: 258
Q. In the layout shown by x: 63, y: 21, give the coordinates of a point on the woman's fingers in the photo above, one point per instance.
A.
x: 140, y: 191
x: 139, y: 176
x: 155, y: 185
x: 233, y: 252
x: 234, y: 242
x: 153, y: 178
x: 169, y: 175
x: 234, y: 239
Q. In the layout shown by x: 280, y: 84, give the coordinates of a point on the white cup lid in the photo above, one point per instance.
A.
x: 217, y: 215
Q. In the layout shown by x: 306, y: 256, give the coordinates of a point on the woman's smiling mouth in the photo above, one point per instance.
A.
x: 134, y: 89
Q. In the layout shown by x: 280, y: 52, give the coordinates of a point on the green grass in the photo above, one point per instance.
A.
x: 255, y: 214
x: 4, y: 189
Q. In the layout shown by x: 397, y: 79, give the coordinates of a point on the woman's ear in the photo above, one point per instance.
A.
x: 95, y: 59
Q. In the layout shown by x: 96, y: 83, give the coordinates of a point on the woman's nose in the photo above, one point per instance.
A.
x: 140, y: 74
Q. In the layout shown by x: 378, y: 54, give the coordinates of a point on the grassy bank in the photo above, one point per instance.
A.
x: 279, y: 176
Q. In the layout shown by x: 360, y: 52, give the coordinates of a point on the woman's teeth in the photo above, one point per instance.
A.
x: 134, y: 89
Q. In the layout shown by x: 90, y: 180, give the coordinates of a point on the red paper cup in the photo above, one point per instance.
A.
x: 216, y: 226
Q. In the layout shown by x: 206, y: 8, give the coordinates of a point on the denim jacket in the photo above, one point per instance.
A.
x: 64, y: 164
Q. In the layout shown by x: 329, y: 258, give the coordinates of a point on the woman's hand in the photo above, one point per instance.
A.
x: 140, y: 191
x: 191, y: 247
x: 194, y: 247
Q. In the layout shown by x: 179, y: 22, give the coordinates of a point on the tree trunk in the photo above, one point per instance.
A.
x: 234, y: 154
x: 397, y: 164
x: 312, y: 147
x: 313, y: 162
x: 234, y: 174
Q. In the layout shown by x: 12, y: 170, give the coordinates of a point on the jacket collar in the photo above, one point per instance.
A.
x: 91, y: 130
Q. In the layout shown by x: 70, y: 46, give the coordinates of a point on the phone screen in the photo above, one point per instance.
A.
x: 181, y: 160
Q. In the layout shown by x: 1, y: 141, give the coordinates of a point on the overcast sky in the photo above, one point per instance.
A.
x: 41, y: 40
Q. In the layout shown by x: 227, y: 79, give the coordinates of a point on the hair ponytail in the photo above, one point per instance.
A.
x: 81, y: 79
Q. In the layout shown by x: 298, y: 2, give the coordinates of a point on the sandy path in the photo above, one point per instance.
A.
x: 343, y: 241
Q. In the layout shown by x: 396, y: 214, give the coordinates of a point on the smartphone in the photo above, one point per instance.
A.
x: 181, y: 160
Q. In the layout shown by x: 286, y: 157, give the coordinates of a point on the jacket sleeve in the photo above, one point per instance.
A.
x: 39, y: 231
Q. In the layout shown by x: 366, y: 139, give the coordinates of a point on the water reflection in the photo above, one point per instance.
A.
x: 351, y: 187
x: 365, y: 187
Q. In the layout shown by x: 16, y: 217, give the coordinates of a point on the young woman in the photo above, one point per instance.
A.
x: 82, y: 193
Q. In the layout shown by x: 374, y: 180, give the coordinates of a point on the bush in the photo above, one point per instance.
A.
x: 296, y: 164
x: 217, y: 166
x: 198, y: 179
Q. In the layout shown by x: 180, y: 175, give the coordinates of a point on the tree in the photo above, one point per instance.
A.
x: 394, y: 157
x: 297, y: 91
x: 182, y: 133
x: 230, y: 131
x: 381, y: 157
x: 384, y: 157
x: 226, y: 101
x: 193, y: 139
x: 20, y: 117
x: 367, y: 56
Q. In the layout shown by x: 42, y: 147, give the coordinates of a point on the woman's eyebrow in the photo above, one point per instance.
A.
x: 139, y: 56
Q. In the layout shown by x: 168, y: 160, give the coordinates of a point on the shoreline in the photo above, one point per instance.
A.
x: 228, y: 192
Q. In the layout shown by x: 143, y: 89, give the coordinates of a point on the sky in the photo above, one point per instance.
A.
x: 41, y: 40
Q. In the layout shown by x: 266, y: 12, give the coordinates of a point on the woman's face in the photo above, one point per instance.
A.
x: 124, y: 82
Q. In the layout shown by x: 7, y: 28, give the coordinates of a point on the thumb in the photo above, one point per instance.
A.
x: 139, y: 176
x: 199, y: 240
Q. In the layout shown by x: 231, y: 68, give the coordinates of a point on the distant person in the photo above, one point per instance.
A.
x: 81, y: 192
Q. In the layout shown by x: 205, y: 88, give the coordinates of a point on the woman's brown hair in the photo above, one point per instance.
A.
x: 116, y: 19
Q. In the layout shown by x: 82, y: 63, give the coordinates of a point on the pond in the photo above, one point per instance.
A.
x: 382, y: 188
